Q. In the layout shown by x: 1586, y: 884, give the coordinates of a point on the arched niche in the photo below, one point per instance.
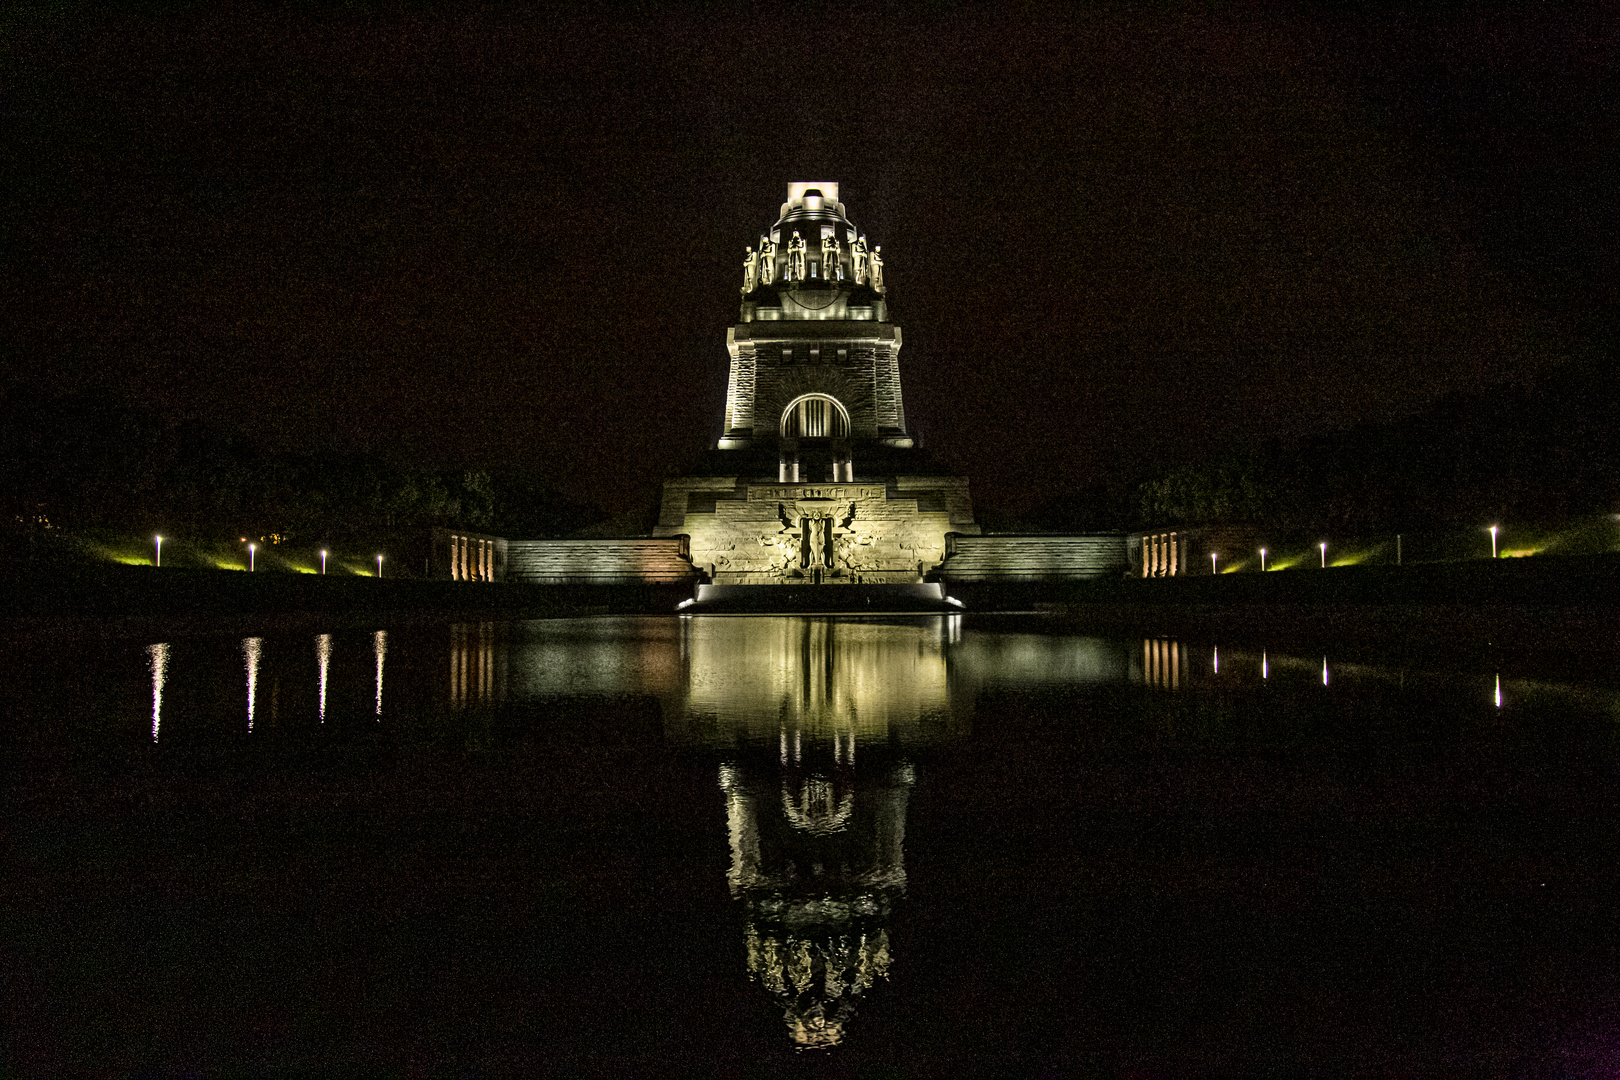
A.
x: 815, y: 416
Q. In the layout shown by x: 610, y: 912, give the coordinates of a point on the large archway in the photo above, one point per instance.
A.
x: 819, y: 424
x: 815, y: 416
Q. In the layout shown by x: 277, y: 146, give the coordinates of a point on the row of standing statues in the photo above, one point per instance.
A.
x: 760, y: 267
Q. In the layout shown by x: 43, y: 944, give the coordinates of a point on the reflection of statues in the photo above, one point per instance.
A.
x: 857, y: 261
x: 814, y: 720
x: 767, y: 260
x: 830, y: 270
x: 877, y: 268
x: 818, y: 542
x: 750, y: 271
x: 818, y: 868
x: 795, y: 267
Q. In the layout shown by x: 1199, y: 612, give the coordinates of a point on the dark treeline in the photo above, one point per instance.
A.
x: 87, y: 464
x: 1541, y: 452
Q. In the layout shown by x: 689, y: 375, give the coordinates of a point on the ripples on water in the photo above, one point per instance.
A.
x: 1143, y: 852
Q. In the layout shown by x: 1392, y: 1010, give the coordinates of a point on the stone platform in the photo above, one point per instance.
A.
x: 918, y: 598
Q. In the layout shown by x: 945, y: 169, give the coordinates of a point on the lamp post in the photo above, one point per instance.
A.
x: 159, y: 540
x: 379, y: 566
x: 252, y: 550
x: 1262, y: 560
x: 1323, y: 546
x: 323, y: 563
x: 1492, y: 531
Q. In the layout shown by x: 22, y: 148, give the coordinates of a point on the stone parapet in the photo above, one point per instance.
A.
x: 660, y: 560
x: 1033, y: 558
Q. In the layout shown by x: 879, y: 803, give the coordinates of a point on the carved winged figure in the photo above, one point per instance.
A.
x: 818, y: 542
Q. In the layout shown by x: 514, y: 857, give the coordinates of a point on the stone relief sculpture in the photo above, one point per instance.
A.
x: 857, y: 261
x: 795, y: 267
x: 785, y: 553
x: 786, y: 546
x: 877, y: 268
x: 830, y: 269
x: 822, y: 541
x: 853, y: 542
x: 767, y: 260
x: 750, y: 270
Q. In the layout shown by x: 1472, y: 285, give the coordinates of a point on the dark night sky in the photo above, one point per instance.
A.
x: 1112, y: 237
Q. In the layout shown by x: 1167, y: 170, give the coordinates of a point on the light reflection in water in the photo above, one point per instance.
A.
x: 813, y: 722
x: 323, y: 657
x: 159, y: 655
x: 1265, y: 672
x: 812, y: 725
x: 474, y: 664
x: 251, y: 648
x: 817, y: 841
x: 1161, y: 663
x: 379, y: 645
x: 1216, y: 661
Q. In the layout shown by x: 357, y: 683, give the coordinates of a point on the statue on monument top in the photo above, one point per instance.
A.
x: 750, y: 270
x: 877, y: 268
x: 796, y: 257
x: 767, y: 260
x: 830, y: 270
x: 857, y: 261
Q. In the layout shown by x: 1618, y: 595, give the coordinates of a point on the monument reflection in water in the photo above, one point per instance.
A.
x: 813, y: 723
x: 816, y: 719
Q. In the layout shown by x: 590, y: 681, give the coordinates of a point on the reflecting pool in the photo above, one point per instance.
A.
x: 721, y: 845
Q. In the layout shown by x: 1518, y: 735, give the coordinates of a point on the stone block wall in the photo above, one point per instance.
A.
x: 771, y: 365
x: 1033, y: 558
x: 653, y: 561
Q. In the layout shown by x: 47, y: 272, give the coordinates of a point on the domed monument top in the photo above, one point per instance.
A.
x: 813, y: 263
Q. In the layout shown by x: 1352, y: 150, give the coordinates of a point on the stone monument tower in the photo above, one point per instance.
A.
x: 815, y: 480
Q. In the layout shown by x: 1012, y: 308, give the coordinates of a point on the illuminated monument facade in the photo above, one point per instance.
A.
x: 815, y: 480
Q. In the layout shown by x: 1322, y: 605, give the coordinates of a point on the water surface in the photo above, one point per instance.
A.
x: 622, y: 846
